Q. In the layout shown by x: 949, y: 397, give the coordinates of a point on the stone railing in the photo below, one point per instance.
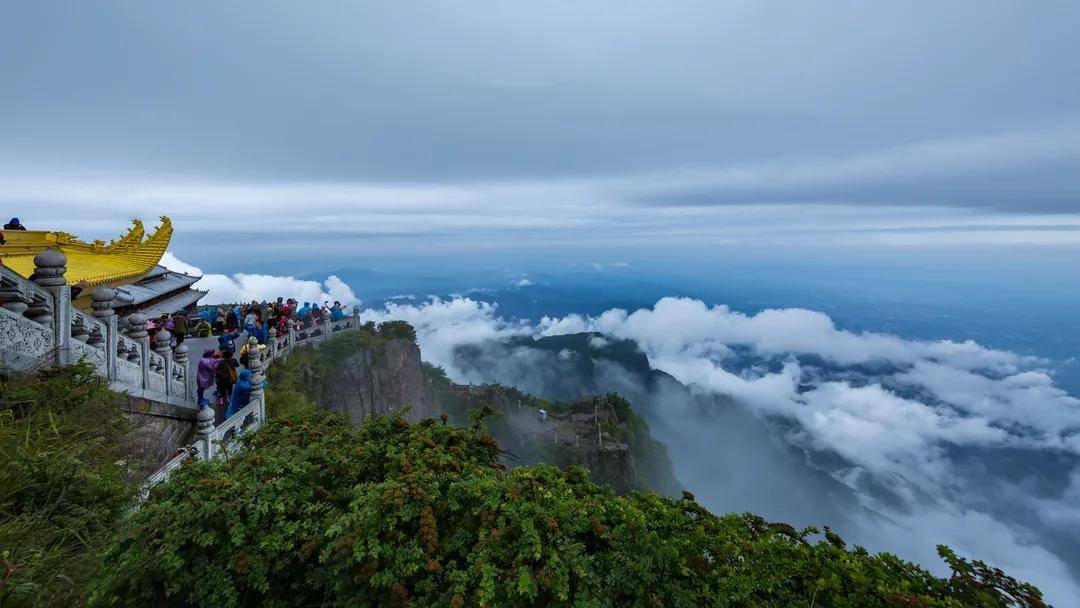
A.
x: 27, y: 336
x: 40, y: 328
x: 215, y: 441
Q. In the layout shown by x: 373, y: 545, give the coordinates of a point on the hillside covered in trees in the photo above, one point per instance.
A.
x: 315, y: 510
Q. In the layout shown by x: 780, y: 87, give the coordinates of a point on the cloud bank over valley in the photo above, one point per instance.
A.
x: 940, y: 441
x: 899, y: 443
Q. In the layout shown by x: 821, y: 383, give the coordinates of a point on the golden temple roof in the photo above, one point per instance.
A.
x: 98, y: 263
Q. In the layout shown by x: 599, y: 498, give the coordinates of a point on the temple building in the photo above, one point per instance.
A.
x: 129, y: 264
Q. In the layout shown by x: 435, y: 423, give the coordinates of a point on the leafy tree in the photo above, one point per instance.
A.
x: 397, y: 330
x: 309, y: 512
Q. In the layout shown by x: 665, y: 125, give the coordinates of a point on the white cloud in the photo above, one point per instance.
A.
x: 443, y: 325
x: 889, y: 411
x: 523, y: 283
x: 972, y: 395
x: 570, y: 324
x: 1027, y: 398
x: 976, y: 533
x: 243, y: 287
x: 170, y: 261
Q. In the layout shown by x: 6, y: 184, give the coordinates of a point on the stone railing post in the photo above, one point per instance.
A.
x: 180, y: 358
x: 292, y: 338
x: 137, y: 331
x: 272, y: 343
x: 50, y: 266
x: 203, y: 432
x: 257, y: 365
x: 103, y: 310
x: 162, y: 347
x: 327, y: 328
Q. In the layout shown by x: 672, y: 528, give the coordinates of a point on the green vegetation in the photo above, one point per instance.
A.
x: 63, y: 482
x: 630, y: 428
x: 310, y: 512
x: 295, y: 384
x: 499, y: 398
x: 651, y: 468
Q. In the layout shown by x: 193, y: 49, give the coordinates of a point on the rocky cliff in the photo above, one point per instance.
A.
x: 378, y: 380
x: 601, y: 433
x: 359, y: 374
x: 378, y: 370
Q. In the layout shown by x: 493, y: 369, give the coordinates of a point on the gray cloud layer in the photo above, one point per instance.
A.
x: 597, y: 104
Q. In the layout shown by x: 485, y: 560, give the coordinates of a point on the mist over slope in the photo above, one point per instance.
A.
x: 900, y: 444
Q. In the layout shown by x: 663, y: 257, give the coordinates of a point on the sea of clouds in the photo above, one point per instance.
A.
x: 940, y: 441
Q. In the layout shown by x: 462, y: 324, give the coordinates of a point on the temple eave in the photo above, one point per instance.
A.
x: 126, y: 259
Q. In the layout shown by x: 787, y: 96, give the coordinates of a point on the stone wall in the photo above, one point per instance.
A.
x: 160, y: 430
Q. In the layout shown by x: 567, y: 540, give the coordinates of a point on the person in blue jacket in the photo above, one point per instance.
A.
x: 258, y: 330
x: 241, y: 393
x: 226, y: 341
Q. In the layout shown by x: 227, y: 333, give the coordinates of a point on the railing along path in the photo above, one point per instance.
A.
x: 40, y: 328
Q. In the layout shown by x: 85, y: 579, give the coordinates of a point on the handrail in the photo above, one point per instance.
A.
x: 39, y: 320
x: 227, y: 432
x: 213, y: 441
x: 163, y: 473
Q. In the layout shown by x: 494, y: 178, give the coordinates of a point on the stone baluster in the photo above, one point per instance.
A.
x: 50, y: 266
x: 355, y: 316
x: 257, y: 365
x: 162, y: 347
x: 78, y: 329
x: 96, y: 337
x: 292, y: 338
x: 137, y: 331
x: 204, y: 431
x: 180, y: 358
x: 17, y: 297
x: 103, y: 311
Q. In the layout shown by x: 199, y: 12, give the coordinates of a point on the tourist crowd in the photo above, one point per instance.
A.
x: 224, y: 369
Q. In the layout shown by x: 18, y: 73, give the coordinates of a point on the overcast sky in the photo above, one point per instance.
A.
x: 713, y: 122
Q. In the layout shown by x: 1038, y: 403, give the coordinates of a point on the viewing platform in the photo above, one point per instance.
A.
x: 40, y: 328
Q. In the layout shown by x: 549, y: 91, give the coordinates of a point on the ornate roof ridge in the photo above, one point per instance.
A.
x: 121, y: 261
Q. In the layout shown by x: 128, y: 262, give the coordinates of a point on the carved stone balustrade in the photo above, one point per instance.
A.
x: 136, y: 326
x: 27, y: 338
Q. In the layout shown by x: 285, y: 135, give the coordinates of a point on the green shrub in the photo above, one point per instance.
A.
x: 63, y: 482
x: 397, y: 330
x: 311, y: 513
